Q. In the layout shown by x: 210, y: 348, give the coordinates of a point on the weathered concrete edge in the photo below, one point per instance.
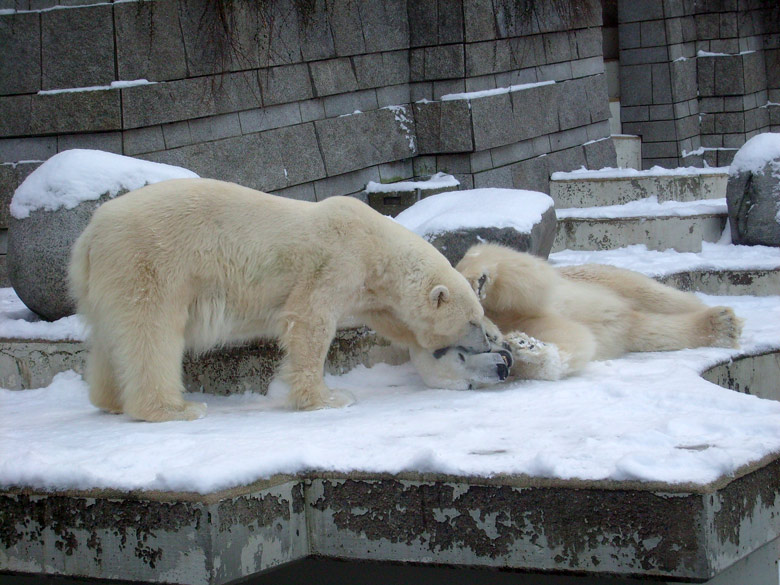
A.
x: 625, y: 528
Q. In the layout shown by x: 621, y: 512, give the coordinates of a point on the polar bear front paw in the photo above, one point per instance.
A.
x: 328, y: 399
x: 536, y: 360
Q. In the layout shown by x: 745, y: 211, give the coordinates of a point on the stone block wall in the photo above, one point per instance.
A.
x: 697, y: 77
x: 307, y: 99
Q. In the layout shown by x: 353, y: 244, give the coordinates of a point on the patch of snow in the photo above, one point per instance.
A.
x: 19, y: 322
x: 78, y: 175
x: 613, y: 173
x: 655, y: 263
x: 709, y: 54
x: 475, y: 208
x: 472, y: 95
x: 112, y: 85
x: 648, y: 207
x: 404, y: 122
x: 756, y: 153
x: 437, y: 181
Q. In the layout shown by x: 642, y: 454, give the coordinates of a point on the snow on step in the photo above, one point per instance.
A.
x: 680, y: 225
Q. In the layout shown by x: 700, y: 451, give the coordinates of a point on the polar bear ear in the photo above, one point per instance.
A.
x: 439, y: 294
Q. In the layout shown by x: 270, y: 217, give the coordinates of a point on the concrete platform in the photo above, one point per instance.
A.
x: 577, y: 528
x: 681, y: 233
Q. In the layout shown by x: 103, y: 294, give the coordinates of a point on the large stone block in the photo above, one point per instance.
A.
x: 729, y: 75
x: 160, y: 103
x: 333, y: 76
x: 77, y: 47
x: 266, y: 161
x: 495, y: 122
x: 149, y: 44
x: 753, y: 192
x: 287, y: 83
x: 317, y: 34
x: 636, y: 85
x: 443, y: 127
x: 64, y: 113
x: 348, y: 38
x: 433, y: 22
x: 385, y: 25
x: 441, y: 62
x: 20, y: 68
x: 362, y: 140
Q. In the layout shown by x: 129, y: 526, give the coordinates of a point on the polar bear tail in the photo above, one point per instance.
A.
x: 78, y: 269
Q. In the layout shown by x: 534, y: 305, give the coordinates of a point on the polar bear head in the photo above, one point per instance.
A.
x: 445, y: 312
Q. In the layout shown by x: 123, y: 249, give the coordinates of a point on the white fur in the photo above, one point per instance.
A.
x: 194, y: 263
x: 584, y: 313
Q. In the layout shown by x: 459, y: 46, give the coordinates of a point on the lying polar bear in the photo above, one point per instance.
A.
x: 194, y: 263
x: 556, y: 320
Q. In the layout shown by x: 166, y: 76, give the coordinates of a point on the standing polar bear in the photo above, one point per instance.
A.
x: 194, y: 263
x: 555, y: 320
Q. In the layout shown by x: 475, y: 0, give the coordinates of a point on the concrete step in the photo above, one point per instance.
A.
x: 619, y: 186
x: 680, y: 227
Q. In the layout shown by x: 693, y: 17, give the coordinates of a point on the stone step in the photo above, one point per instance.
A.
x: 676, y: 532
x: 619, y: 186
x: 681, y: 233
x: 33, y: 363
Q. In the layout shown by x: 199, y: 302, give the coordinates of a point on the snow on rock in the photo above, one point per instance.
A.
x: 19, y: 322
x: 475, y: 208
x: 756, y: 153
x: 78, y: 175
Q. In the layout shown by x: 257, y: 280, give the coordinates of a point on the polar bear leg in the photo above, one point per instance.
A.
x: 104, y: 391
x: 307, y: 340
x: 148, y: 350
x: 713, y: 326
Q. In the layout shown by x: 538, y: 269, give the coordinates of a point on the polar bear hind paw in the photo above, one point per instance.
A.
x: 724, y: 326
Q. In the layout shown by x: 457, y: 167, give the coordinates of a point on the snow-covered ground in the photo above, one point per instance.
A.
x: 646, y: 416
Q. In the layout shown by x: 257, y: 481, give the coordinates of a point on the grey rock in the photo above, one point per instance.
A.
x: 454, y: 244
x: 38, y: 256
x: 443, y: 126
x: 753, y: 201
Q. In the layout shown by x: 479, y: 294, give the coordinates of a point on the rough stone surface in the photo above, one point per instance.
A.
x: 26, y: 364
x: 754, y: 205
x: 38, y: 256
x: 539, y: 241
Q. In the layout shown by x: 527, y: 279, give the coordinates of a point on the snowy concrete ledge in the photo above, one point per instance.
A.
x: 613, y: 528
x: 617, y: 186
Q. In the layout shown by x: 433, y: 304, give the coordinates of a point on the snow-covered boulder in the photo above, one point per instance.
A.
x: 456, y: 220
x: 753, y: 192
x: 51, y: 208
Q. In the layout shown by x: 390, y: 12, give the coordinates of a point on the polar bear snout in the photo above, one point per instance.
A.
x: 475, y: 340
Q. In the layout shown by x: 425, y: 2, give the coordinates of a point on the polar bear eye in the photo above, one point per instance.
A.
x: 480, y: 283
